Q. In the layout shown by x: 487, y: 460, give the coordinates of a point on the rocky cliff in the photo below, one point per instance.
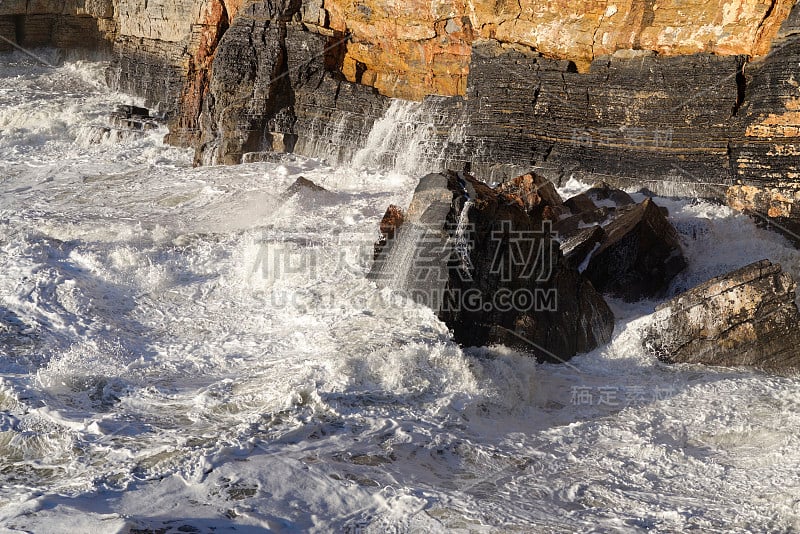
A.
x: 677, y: 96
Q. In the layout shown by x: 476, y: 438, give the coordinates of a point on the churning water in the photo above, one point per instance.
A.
x: 182, y: 347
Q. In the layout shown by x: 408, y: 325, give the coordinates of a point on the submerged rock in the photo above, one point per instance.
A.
x: 745, y: 318
x: 486, y: 260
x: 580, y: 203
x: 127, y: 117
x: 604, y: 194
x: 639, y: 256
x: 301, y: 185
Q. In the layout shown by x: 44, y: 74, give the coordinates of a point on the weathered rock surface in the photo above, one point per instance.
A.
x: 391, y: 222
x: 745, y: 318
x: 605, y: 194
x: 684, y: 98
x: 638, y: 256
x: 491, y: 268
x: 579, y: 246
x: 417, y: 48
x: 74, y: 24
x: 580, y: 203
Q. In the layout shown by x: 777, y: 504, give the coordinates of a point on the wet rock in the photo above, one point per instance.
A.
x: 135, y: 118
x: 133, y: 112
x: 639, y: 256
x: 302, y: 185
x: 569, y: 226
x: 533, y: 193
x: 487, y: 262
x: 580, y: 245
x: 745, y: 318
x: 391, y: 222
x: 580, y: 203
x: 604, y: 194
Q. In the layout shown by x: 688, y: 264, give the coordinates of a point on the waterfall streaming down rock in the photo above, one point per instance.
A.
x: 397, y: 271
x: 399, y: 140
x: 415, y: 262
x: 462, y: 238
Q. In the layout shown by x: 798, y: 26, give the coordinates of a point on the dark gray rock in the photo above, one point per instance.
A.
x: 604, y: 193
x: 487, y: 262
x: 640, y: 255
x: 133, y: 112
x: 580, y: 203
x: 570, y: 225
x: 303, y: 185
x: 578, y: 246
x: 745, y: 318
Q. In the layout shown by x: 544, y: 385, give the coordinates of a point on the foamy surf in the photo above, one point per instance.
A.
x: 182, y: 347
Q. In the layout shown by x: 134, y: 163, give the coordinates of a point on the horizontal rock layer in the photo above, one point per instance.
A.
x: 67, y: 24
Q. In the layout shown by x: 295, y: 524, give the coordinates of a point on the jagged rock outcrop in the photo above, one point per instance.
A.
x: 627, y: 250
x: 486, y: 261
x: 745, y: 318
x: 638, y: 256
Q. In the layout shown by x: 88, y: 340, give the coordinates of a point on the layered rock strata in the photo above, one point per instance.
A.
x: 71, y: 24
x: 679, y: 97
x: 744, y: 318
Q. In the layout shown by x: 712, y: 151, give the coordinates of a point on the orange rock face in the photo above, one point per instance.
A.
x: 413, y: 48
x: 213, y: 21
x: 406, y: 49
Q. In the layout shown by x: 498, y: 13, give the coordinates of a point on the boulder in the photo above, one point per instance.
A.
x: 745, y: 318
x: 640, y: 255
x: 605, y: 195
x: 301, y: 185
x: 580, y: 203
x: 487, y: 262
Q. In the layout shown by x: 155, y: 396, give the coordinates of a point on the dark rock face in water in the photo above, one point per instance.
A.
x: 626, y: 250
x: 745, y: 318
x: 639, y: 255
x: 487, y: 262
